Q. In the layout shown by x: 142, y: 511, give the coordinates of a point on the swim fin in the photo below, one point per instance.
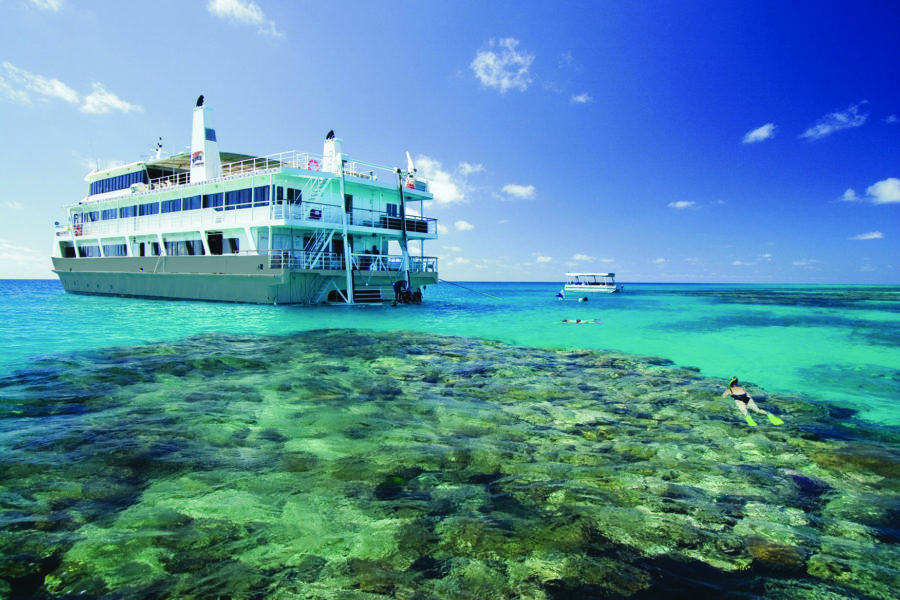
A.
x: 774, y: 420
x: 750, y: 421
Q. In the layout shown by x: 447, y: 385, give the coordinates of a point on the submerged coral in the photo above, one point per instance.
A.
x: 349, y: 464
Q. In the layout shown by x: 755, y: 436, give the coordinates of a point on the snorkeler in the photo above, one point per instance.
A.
x: 743, y: 401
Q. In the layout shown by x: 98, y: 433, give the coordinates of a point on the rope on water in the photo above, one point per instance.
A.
x: 469, y: 289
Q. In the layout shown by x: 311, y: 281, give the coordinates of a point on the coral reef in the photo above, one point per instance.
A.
x: 352, y: 464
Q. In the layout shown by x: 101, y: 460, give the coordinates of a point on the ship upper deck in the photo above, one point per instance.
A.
x: 173, y: 171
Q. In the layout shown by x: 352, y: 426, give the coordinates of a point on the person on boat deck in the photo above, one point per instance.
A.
x: 743, y: 401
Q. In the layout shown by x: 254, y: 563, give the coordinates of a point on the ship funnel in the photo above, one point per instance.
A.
x: 331, y: 154
x: 205, y: 162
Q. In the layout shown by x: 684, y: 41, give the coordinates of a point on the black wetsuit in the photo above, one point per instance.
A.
x: 745, y: 398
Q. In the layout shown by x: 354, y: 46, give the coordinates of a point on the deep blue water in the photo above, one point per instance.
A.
x: 839, y: 344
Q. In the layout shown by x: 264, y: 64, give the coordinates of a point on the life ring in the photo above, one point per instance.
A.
x: 312, y: 165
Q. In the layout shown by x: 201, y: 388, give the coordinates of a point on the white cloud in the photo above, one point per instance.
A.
x: 243, y: 11
x: 523, y: 192
x: 582, y: 257
x: 442, y: 229
x: 543, y: 259
x: 582, y: 98
x: 51, y: 5
x: 9, y: 251
x: 452, y: 248
x: 850, y: 196
x: 505, y: 69
x: 836, y: 121
x: 100, y: 102
x: 459, y: 260
x: 805, y: 262
x: 741, y: 263
x: 18, y: 85
x: 760, y: 134
x: 463, y: 226
x: 15, y: 205
x: 766, y: 257
x: 606, y: 260
x: 885, y: 191
x: 36, y: 84
x: 868, y: 268
x: 891, y: 119
x: 468, y: 168
x: 658, y: 261
x: 682, y: 204
x: 441, y: 183
x: 872, y: 235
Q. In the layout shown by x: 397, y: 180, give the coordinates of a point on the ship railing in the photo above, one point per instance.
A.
x: 304, y: 161
x: 380, y: 219
x: 377, y: 262
x: 308, y: 213
x: 331, y: 261
x: 360, y: 217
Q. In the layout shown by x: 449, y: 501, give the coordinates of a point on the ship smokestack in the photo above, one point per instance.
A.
x: 205, y: 163
x: 331, y: 154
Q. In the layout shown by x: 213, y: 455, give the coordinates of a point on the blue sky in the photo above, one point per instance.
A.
x: 684, y: 140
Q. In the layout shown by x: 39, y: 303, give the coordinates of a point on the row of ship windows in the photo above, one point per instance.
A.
x: 245, y: 198
x: 119, y: 182
x: 183, y: 248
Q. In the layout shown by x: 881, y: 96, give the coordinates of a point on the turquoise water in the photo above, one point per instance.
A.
x: 837, y: 344
x: 471, y: 448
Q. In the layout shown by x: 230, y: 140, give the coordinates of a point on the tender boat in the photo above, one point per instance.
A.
x: 291, y: 228
x: 590, y: 283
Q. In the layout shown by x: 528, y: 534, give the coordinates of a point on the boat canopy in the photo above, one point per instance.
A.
x: 590, y: 274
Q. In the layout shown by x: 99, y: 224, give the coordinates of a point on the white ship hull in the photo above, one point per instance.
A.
x: 250, y: 279
x: 590, y: 289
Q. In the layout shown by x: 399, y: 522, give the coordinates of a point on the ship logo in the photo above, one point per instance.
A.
x: 197, y: 158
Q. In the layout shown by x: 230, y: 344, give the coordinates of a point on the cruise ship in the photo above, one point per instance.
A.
x: 288, y: 228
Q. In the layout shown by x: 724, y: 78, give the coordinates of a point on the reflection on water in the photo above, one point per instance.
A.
x: 351, y: 464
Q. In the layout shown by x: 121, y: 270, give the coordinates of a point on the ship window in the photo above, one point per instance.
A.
x: 234, y: 245
x: 212, y: 200
x: 261, y: 195
x: 194, y: 247
x: 127, y: 211
x: 237, y: 199
x: 154, y: 248
x: 186, y: 248
x: 89, y: 251
x: 294, y: 196
x: 119, y: 182
x: 151, y: 208
x: 191, y: 203
x: 169, y: 206
x: 211, y: 134
x: 392, y: 210
x: 279, y: 193
x: 108, y: 214
x: 114, y: 250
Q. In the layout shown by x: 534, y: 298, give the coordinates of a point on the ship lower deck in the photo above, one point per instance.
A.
x: 249, y: 278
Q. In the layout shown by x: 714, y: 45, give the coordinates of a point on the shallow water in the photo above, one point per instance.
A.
x: 835, y: 344
x: 354, y: 464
